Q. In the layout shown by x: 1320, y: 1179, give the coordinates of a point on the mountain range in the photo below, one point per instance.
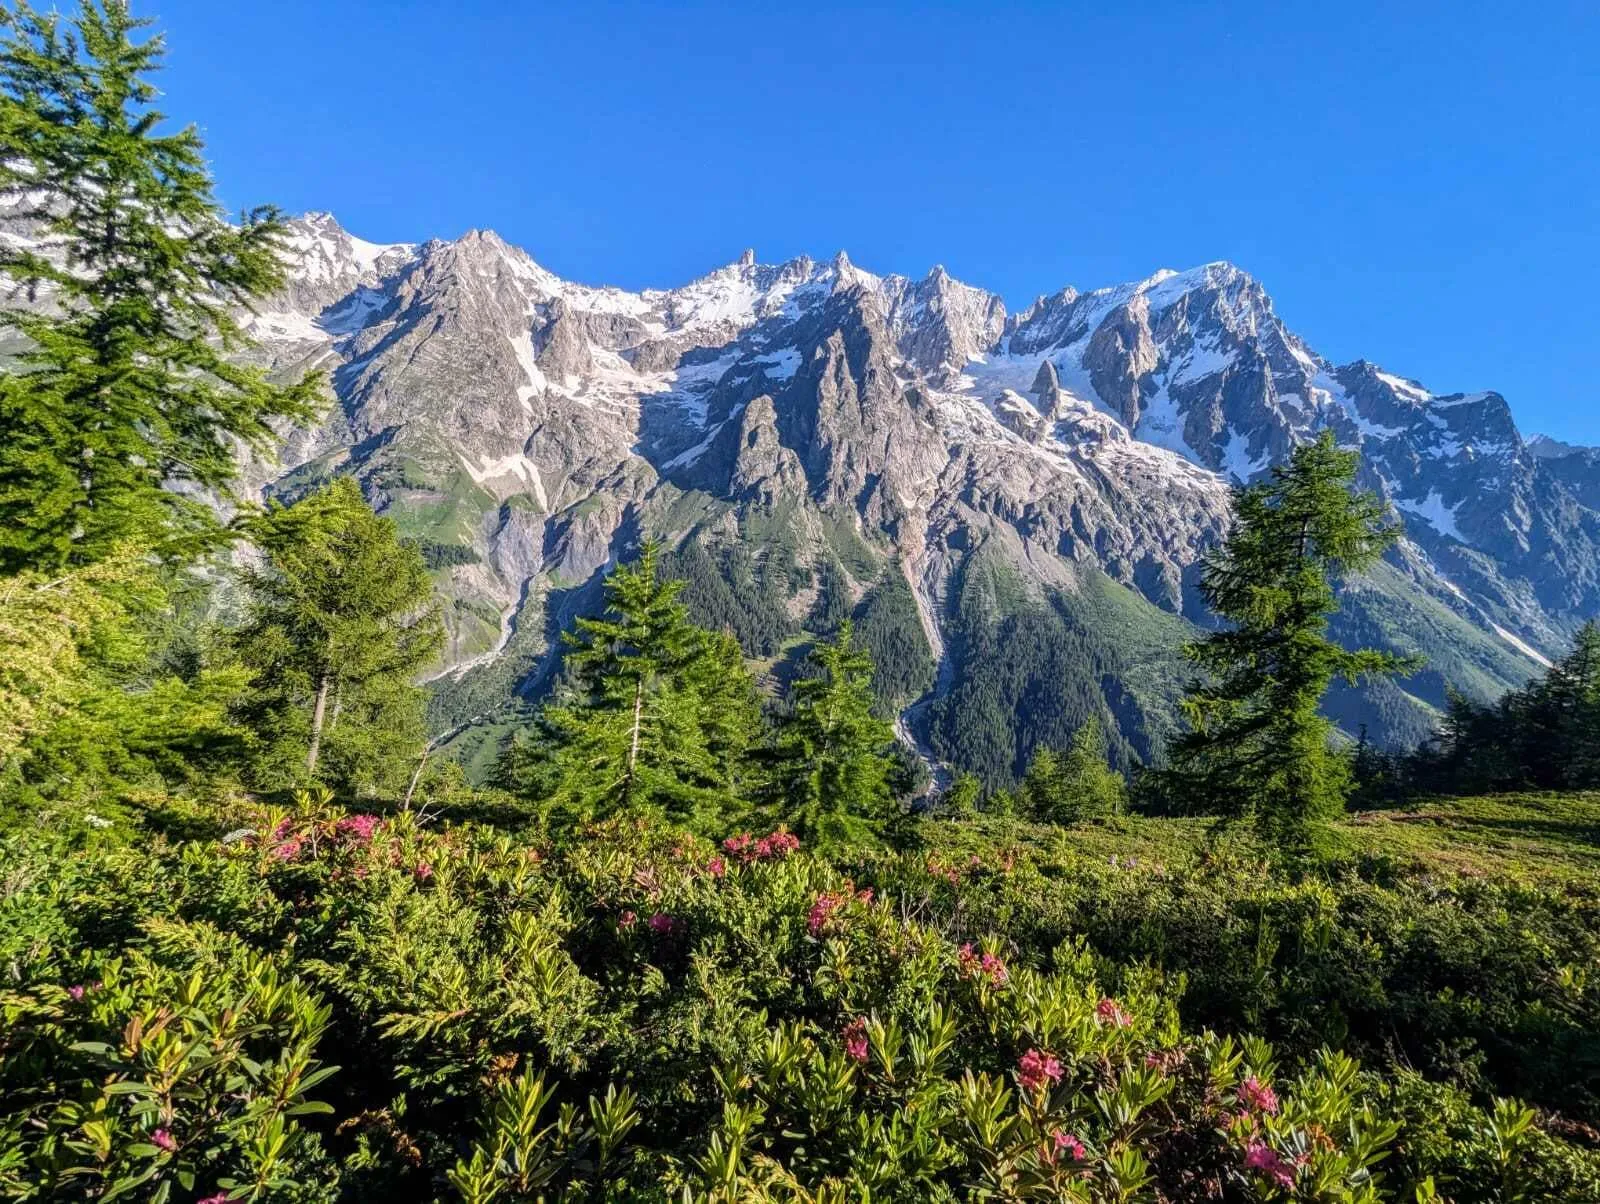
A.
x: 1013, y: 506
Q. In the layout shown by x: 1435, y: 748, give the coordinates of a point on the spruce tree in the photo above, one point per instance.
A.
x: 832, y: 765
x: 341, y: 621
x: 1257, y: 744
x: 657, y: 713
x: 128, y: 381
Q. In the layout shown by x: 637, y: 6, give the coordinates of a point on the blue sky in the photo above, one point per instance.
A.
x: 1414, y: 183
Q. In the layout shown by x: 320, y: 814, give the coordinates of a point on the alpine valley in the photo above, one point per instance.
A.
x: 1011, y: 506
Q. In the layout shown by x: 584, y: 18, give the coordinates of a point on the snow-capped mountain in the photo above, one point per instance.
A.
x: 544, y: 424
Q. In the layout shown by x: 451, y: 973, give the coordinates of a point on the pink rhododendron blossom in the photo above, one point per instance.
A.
x: 288, y: 850
x: 627, y: 919
x: 422, y: 871
x: 716, y: 867
x: 1253, y: 1093
x: 1036, y: 1070
x: 821, y: 911
x: 739, y: 846
x: 358, y: 828
x: 1110, y: 1012
x: 76, y: 992
x: 1067, y: 1144
x: 163, y: 1140
x: 661, y: 923
x: 992, y: 968
x: 776, y: 846
x: 220, y: 1198
x: 1259, y: 1156
x: 855, y: 1040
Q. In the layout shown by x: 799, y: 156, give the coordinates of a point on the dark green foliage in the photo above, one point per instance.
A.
x: 889, y: 630
x: 727, y: 589
x: 833, y: 598
x: 340, y: 623
x: 1545, y: 736
x: 831, y: 771
x: 130, y: 380
x: 1258, y: 744
x: 1023, y: 680
x: 444, y: 555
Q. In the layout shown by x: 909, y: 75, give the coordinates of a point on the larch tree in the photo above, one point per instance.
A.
x: 341, y: 621
x: 126, y: 404
x: 1257, y: 742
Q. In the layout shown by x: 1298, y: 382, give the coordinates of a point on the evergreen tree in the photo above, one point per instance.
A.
x: 128, y: 380
x: 90, y: 702
x: 341, y: 621
x: 832, y: 765
x: 1076, y: 786
x: 657, y: 714
x: 1257, y: 743
x: 1544, y: 736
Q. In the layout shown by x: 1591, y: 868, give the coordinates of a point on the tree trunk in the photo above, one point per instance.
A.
x: 633, y: 747
x: 317, y: 714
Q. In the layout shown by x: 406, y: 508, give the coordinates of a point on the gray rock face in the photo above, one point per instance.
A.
x: 486, y: 401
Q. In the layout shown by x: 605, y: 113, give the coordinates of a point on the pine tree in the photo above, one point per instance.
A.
x: 658, y: 713
x: 1257, y: 744
x: 341, y: 622
x: 128, y: 382
x: 832, y: 765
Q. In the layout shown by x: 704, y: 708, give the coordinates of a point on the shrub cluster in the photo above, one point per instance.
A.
x: 321, y: 1006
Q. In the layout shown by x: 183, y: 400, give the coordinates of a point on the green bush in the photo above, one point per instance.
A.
x: 638, y: 1014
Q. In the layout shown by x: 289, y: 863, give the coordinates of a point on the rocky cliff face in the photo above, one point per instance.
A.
x: 546, y: 424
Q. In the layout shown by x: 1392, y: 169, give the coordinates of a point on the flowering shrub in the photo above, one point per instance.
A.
x: 609, y: 1019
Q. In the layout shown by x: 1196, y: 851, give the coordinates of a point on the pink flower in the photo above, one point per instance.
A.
x: 1253, y: 1093
x: 738, y: 846
x: 1110, y: 1012
x: 76, y: 992
x: 220, y: 1198
x: 1261, y: 1157
x: 1036, y: 1069
x: 993, y: 968
x: 716, y: 867
x: 661, y: 923
x: 821, y: 911
x: 163, y: 1140
x: 776, y: 845
x: 422, y: 871
x: 288, y: 850
x: 358, y: 828
x: 627, y: 919
x: 855, y: 1040
x: 1066, y: 1143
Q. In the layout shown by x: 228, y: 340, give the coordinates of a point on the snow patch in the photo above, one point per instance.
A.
x: 1236, y: 461
x: 785, y: 363
x: 1521, y: 646
x: 516, y: 465
x: 522, y: 347
x: 1433, y: 511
